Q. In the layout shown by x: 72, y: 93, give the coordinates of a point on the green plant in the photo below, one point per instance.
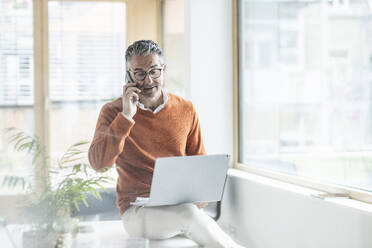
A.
x: 60, y: 187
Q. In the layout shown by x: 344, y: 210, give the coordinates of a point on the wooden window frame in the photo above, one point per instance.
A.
x: 42, y: 103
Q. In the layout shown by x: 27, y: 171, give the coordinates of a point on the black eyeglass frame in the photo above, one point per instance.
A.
x: 147, y: 72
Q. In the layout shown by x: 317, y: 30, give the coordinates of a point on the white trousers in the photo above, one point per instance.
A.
x: 167, y: 221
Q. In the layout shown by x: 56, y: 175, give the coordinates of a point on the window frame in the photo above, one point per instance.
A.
x: 327, y: 188
x: 42, y: 101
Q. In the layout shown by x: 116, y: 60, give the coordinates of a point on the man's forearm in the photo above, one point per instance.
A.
x: 108, y: 142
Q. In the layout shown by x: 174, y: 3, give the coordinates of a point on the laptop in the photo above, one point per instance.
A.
x: 187, y: 179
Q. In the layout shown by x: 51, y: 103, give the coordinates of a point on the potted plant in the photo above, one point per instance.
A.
x: 59, y: 188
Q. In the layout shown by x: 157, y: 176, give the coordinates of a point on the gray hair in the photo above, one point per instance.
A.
x: 143, y: 48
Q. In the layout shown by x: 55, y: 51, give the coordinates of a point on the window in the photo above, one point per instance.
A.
x: 86, y: 41
x: 16, y: 82
x: 174, y: 46
x: 305, y: 88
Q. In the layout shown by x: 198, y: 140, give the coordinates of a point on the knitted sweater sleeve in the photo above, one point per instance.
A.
x: 195, y: 145
x: 109, y: 138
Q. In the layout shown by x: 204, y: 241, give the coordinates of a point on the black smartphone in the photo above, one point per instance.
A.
x: 129, y: 79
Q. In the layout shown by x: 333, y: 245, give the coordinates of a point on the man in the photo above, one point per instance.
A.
x: 132, y: 131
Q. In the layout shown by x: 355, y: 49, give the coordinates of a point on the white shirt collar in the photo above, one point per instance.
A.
x: 160, y: 107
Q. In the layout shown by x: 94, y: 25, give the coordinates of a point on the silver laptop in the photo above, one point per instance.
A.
x: 187, y: 179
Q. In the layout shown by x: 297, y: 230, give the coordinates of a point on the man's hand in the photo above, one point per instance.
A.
x: 129, y: 99
x: 201, y: 204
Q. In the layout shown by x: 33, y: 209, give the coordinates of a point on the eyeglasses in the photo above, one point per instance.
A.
x: 153, y: 73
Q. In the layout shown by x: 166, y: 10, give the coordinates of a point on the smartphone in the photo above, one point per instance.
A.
x: 128, y: 78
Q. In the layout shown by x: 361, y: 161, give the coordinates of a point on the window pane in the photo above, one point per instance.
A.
x: 305, y: 89
x: 174, y: 46
x: 16, y: 84
x: 86, y: 43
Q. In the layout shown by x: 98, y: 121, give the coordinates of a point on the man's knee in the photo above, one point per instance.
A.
x: 188, y: 211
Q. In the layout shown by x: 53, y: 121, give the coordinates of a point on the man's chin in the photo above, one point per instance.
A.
x: 152, y: 95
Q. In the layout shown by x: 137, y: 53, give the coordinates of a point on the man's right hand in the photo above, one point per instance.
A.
x: 129, y: 99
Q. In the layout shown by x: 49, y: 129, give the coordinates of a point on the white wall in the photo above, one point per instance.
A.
x: 263, y: 213
x: 258, y: 213
x: 208, y: 34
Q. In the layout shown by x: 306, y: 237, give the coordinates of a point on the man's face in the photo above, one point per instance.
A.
x: 149, y: 66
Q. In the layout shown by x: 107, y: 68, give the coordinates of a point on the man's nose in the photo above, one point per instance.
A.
x: 148, y: 80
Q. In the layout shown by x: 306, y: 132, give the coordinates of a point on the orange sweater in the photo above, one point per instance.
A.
x: 133, y: 147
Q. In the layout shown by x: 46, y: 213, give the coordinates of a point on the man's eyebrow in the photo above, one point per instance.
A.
x: 140, y: 69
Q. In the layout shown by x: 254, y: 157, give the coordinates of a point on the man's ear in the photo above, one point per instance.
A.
x: 164, y: 67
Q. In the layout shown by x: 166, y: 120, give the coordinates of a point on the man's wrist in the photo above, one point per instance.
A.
x: 129, y: 118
